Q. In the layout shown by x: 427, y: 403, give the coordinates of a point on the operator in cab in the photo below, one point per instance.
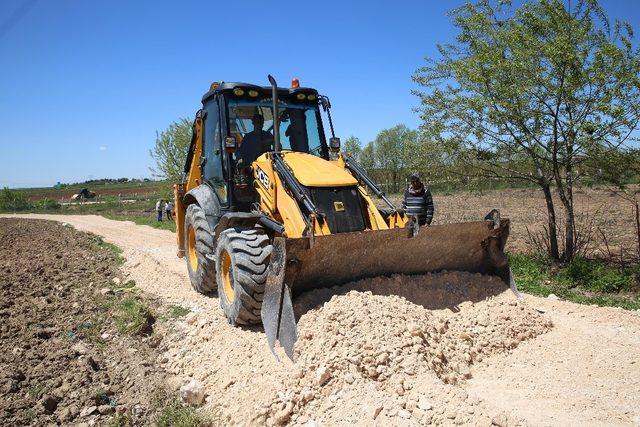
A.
x: 256, y: 142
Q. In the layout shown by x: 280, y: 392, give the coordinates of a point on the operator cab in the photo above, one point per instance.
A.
x: 241, y: 115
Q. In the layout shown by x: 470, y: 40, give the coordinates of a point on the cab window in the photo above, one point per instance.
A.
x: 212, y: 169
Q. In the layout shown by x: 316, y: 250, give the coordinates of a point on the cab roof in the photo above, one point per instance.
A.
x: 227, y: 87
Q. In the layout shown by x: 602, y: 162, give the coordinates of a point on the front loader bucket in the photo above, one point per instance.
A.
x: 303, y: 264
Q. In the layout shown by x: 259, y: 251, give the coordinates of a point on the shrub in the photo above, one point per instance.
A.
x: 47, y: 204
x: 596, y: 275
x: 12, y: 200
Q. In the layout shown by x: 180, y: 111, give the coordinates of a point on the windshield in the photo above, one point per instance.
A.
x: 251, y: 123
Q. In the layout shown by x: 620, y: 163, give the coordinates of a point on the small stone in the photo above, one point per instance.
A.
x: 424, y: 403
x: 375, y: 411
x: 64, y: 415
x: 349, y: 378
x: 500, y: 420
x: 403, y: 413
x: 106, y: 409
x: 282, y: 417
x: 414, y: 329
x: 540, y: 310
x: 89, y: 410
x: 382, y: 359
x: 116, y: 281
x: 192, y: 393
x: 105, y: 336
x: 553, y: 296
x: 191, y: 318
x: 323, y: 375
x: 311, y: 423
x: 79, y: 348
x: 106, y: 291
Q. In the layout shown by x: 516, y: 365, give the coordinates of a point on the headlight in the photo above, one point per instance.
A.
x: 312, y: 97
x: 238, y: 91
x: 253, y: 93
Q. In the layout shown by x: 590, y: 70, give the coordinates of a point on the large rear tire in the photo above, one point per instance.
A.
x: 242, y: 258
x: 199, y: 250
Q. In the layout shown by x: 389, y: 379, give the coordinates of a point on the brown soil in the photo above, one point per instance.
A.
x: 65, y: 194
x: 445, y: 348
x: 60, y: 352
x: 598, y: 211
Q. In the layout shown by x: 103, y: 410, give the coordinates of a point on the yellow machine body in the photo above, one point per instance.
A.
x: 313, y: 215
x: 311, y: 171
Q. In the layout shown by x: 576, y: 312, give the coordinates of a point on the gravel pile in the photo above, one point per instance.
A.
x: 389, y: 331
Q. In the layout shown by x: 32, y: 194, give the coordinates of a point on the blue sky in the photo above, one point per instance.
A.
x: 85, y: 85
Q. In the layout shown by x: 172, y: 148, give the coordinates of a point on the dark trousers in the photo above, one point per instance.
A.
x: 159, y: 215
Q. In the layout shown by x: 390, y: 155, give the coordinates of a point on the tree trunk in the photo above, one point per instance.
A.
x: 552, y: 224
x: 637, y: 209
x: 566, y: 195
x: 570, y: 238
x: 394, y: 176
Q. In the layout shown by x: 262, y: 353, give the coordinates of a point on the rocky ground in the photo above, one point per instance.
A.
x: 447, y: 348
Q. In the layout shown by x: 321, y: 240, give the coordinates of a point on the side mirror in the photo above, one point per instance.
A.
x: 230, y: 144
x: 334, y: 144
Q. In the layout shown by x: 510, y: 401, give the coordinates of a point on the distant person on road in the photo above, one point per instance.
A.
x: 159, y: 209
x: 418, y: 201
x: 256, y: 142
x: 168, y: 207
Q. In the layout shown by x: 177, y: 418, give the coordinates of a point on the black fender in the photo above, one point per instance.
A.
x: 237, y: 219
x: 204, y: 196
x: 247, y: 219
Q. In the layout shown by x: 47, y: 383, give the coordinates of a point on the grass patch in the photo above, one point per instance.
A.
x: 145, y: 220
x: 583, y: 281
x: 115, y: 251
x: 30, y: 414
x: 132, y: 316
x: 121, y: 420
x: 37, y: 391
x: 176, y: 415
x: 177, y: 311
x: 128, y: 285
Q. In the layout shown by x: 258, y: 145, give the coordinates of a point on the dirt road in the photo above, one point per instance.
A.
x: 489, y: 359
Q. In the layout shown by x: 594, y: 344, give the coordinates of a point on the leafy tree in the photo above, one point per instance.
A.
x: 394, y: 149
x: 367, y: 157
x: 353, y: 148
x: 540, y: 93
x: 170, y: 150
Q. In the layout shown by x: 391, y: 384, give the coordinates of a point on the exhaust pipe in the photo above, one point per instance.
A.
x: 276, y: 124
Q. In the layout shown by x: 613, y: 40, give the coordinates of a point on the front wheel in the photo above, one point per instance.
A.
x: 199, y: 250
x: 242, y: 258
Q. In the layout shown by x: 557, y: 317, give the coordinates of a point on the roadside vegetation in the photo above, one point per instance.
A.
x: 585, y: 281
x: 174, y: 414
x: 138, y: 207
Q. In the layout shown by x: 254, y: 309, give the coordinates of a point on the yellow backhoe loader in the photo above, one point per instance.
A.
x: 269, y: 208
